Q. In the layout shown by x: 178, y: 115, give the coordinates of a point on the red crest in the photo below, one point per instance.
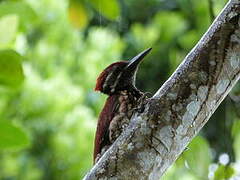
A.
x: 102, y: 77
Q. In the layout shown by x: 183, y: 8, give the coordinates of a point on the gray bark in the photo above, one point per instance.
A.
x: 175, y: 114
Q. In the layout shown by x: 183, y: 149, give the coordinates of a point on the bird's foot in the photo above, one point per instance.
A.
x: 143, y: 101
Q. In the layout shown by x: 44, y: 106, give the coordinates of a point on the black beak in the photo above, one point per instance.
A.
x: 133, y: 63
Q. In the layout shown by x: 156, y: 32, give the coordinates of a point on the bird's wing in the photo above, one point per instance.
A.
x: 102, y: 132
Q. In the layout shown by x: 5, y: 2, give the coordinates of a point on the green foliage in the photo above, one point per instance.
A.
x: 51, y: 53
x: 139, y: 41
x: 188, y: 39
x: 12, y: 137
x: 223, y: 172
x: 198, y: 151
x: 80, y: 125
x: 193, y: 163
x: 77, y: 14
x: 8, y: 23
x: 236, y: 146
x: 235, y: 128
x: 110, y: 9
x: 10, y: 68
x: 21, y: 9
x: 170, y: 25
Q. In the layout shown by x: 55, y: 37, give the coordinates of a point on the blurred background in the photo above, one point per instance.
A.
x: 51, y: 53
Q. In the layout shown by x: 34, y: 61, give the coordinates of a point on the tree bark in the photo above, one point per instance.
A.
x: 175, y: 114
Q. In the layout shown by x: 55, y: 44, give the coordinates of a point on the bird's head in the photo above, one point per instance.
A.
x: 120, y: 75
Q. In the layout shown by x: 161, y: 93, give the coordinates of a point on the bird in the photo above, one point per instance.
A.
x: 118, y: 82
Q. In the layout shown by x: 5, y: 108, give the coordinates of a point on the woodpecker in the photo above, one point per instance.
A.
x: 118, y: 82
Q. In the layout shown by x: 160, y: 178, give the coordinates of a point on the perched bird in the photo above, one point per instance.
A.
x: 118, y: 82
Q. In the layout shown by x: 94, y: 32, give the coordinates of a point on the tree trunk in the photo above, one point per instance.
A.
x: 176, y: 113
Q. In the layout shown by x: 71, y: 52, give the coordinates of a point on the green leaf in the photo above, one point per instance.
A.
x: 11, y: 72
x: 189, y: 39
x: 223, y: 172
x: 23, y: 10
x: 12, y: 137
x: 198, y: 148
x: 149, y: 38
x: 235, y: 128
x: 109, y: 9
x: 8, y: 29
x: 170, y: 25
x: 236, y: 146
x: 77, y: 14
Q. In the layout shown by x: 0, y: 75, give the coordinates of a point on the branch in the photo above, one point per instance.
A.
x: 175, y: 114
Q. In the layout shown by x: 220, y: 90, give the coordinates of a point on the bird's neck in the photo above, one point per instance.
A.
x: 131, y: 91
